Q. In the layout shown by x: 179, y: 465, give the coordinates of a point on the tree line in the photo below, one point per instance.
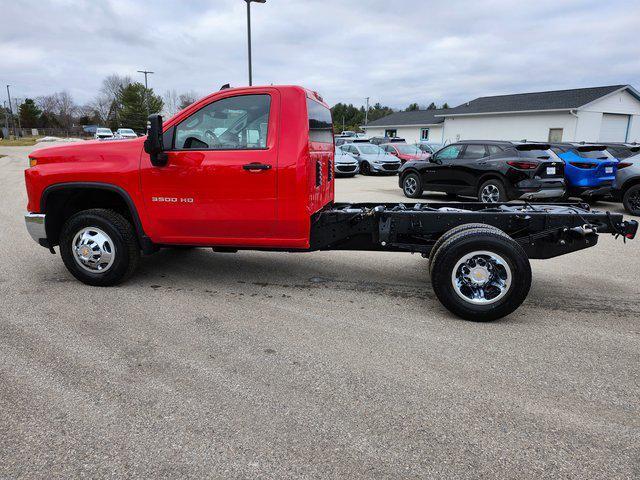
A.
x: 123, y: 103
x: 350, y: 117
x: 120, y: 103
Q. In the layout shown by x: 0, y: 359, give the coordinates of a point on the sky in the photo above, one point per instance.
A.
x: 394, y: 51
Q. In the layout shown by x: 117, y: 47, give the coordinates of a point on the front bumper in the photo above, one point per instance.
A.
x: 385, y: 167
x: 36, y: 227
x: 346, y: 168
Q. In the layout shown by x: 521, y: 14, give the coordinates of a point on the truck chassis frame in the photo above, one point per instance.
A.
x: 543, y: 231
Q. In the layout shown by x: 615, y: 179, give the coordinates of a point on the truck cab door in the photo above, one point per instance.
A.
x: 219, y: 184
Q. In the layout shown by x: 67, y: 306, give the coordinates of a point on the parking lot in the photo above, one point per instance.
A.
x: 319, y: 365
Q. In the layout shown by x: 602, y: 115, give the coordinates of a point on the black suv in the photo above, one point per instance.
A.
x: 492, y: 171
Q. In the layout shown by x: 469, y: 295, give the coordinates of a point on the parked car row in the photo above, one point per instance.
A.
x: 107, y: 134
x: 499, y: 171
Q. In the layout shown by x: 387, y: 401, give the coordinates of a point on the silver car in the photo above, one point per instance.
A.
x: 626, y: 187
x: 372, y: 159
x: 345, y: 165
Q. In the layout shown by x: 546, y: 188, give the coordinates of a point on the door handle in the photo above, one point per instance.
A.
x: 256, y: 166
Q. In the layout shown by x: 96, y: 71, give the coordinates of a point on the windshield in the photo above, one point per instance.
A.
x: 408, y: 149
x: 104, y: 131
x: 370, y: 149
x: 126, y: 130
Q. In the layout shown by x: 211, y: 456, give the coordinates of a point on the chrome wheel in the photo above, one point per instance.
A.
x: 490, y: 194
x: 93, y: 250
x: 410, y: 186
x: 481, y: 277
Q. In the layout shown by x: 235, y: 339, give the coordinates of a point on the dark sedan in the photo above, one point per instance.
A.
x: 492, y: 171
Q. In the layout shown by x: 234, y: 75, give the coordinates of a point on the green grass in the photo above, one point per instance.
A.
x: 19, y: 142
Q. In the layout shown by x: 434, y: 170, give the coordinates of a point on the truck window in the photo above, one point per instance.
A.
x: 320, y: 124
x: 234, y: 123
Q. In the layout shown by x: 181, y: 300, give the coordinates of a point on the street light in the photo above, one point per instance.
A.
x: 11, y: 112
x: 146, y: 97
x: 248, y: 2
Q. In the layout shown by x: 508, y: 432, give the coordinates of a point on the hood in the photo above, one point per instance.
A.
x: 344, y: 158
x: 379, y: 157
x: 86, y: 150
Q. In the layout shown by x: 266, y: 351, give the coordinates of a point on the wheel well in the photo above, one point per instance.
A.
x: 61, y: 203
x: 629, y: 183
x: 491, y: 176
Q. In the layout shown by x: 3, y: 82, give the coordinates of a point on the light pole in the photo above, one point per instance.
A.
x: 366, y: 113
x: 248, y: 2
x: 11, y: 112
x: 146, y: 97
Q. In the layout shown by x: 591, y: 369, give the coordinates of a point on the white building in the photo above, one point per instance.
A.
x: 597, y: 114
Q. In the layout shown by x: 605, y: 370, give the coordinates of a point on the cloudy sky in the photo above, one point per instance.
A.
x: 394, y: 51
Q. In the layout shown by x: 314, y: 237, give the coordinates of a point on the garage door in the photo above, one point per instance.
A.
x: 614, y: 128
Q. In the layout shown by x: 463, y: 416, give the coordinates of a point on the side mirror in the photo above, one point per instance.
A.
x: 153, y: 144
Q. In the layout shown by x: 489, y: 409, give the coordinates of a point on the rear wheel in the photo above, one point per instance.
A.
x: 492, y: 191
x: 412, y: 185
x: 450, y: 233
x: 99, y: 247
x: 631, y: 200
x: 481, y: 274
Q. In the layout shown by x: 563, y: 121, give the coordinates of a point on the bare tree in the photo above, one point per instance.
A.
x: 187, y: 99
x: 113, y: 85
x: 65, y: 109
x: 171, y: 103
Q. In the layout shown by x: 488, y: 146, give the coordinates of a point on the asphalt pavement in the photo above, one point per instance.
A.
x: 314, y: 365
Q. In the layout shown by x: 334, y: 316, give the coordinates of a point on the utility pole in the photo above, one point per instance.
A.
x: 366, y: 113
x: 18, y: 116
x: 146, y: 96
x: 248, y: 2
x: 11, y: 112
x: 6, y: 117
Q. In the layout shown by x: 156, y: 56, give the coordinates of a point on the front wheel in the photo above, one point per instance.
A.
x: 99, y: 247
x: 481, y: 274
x: 365, y: 168
x: 631, y: 200
x: 412, y: 185
x: 492, y: 191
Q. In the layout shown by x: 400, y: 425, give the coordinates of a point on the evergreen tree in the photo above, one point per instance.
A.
x: 432, y: 106
x: 445, y: 105
x: 133, y: 101
x: 29, y: 114
x: 412, y: 108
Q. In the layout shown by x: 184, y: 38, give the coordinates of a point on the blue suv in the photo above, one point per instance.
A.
x: 589, y: 169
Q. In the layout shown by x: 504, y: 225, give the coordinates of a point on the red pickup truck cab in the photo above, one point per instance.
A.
x: 252, y: 168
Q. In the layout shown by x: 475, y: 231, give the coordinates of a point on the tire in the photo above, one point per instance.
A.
x: 412, y: 185
x: 365, y: 168
x: 493, y: 190
x: 486, y: 254
x: 106, y: 234
x: 631, y: 200
x: 455, y: 230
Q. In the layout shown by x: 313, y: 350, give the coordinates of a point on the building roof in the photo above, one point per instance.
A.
x: 538, y: 101
x: 413, y: 118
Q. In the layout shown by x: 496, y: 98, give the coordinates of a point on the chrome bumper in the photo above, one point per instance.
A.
x: 546, y: 193
x: 36, y: 227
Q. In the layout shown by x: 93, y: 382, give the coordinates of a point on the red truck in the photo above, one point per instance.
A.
x: 252, y: 168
